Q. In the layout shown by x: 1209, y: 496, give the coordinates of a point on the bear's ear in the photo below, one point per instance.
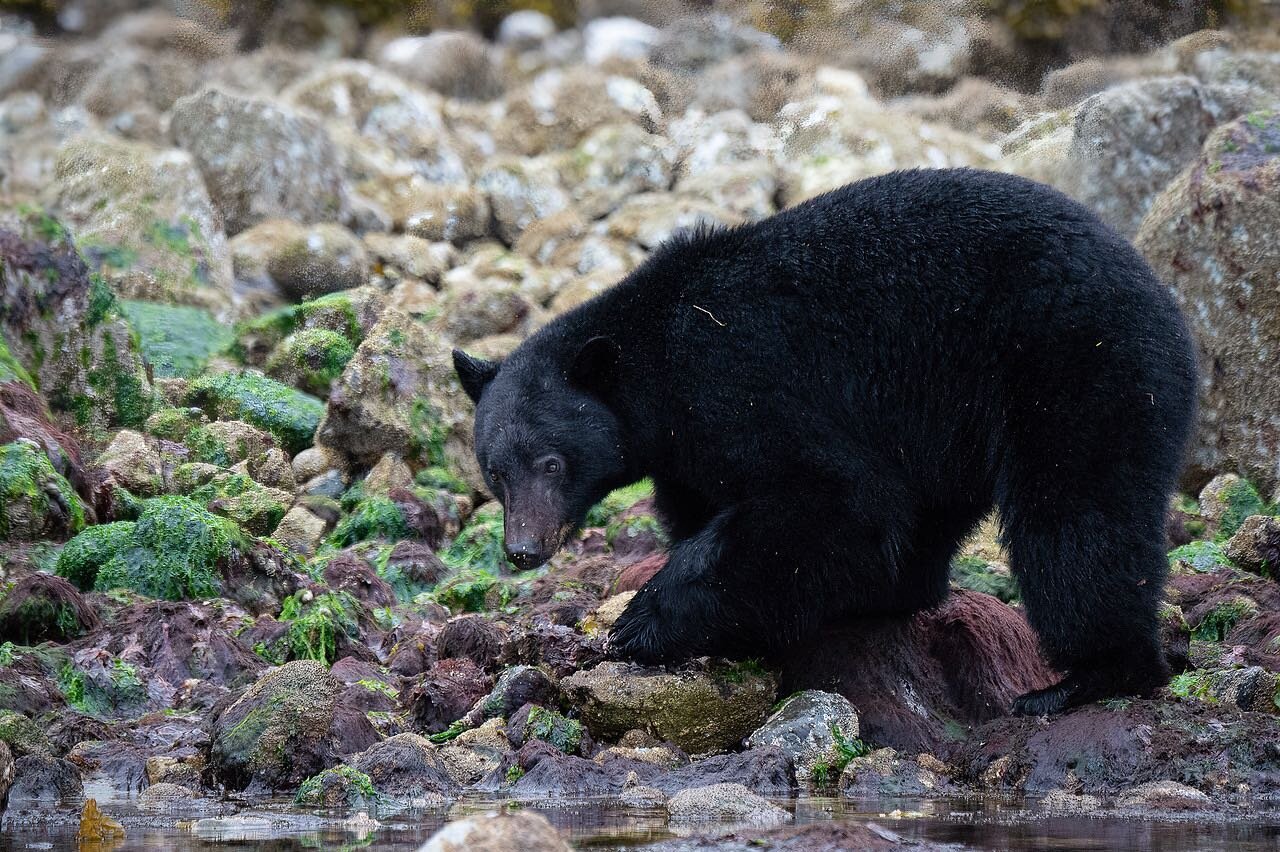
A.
x: 474, y: 373
x: 595, y: 367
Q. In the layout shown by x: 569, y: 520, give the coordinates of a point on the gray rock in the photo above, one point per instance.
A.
x: 261, y: 159
x: 1214, y: 236
x: 725, y: 803
x: 806, y: 727
x: 492, y: 832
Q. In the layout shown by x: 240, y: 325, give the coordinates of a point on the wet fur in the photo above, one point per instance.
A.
x: 828, y: 401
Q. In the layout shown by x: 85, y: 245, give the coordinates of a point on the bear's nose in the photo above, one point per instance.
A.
x: 525, y: 555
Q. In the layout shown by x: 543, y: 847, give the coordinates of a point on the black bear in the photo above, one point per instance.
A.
x: 828, y: 401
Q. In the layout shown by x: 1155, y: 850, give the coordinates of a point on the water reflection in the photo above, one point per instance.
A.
x: 991, y: 823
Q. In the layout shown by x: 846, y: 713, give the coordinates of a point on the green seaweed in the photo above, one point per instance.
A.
x: 617, y: 502
x: 288, y: 414
x: 176, y: 340
x: 28, y: 480
x: 316, y: 625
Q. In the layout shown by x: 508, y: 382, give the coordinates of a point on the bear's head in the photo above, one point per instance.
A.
x: 549, y: 445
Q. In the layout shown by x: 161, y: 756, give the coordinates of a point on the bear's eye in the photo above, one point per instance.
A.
x: 552, y: 466
x: 494, y: 476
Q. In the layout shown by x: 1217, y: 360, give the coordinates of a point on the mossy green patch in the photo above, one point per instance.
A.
x: 978, y: 575
x: 1200, y: 556
x: 23, y: 735
x: 1239, y: 500
x: 316, y: 625
x: 442, y: 478
x: 288, y: 414
x: 475, y: 590
x: 11, y: 370
x: 617, y: 502
x: 1222, y: 619
x: 238, y: 497
x: 554, y: 728
x: 174, y: 424
x: 32, y: 493
x: 173, y: 551
x: 310, y: 359
x: 341, y: 786
x: 479, y: 544
x: 177, y: 341
x: 334, y: 312
x: 376, y: 518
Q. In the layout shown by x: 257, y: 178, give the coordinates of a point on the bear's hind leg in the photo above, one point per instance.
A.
x: 1091, y: 582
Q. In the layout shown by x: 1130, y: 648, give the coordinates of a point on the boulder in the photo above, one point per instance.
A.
x: 810, y: 726
x: 1214, y: 236
x: 1118, y: 150
x: 455, y: 64
x: 731, y: 803
x: 65, y: 325
x: 408, y: 768
x: 285, y: 728
x: 557, y: 109
x: 399, y: 394
x: 260, y: 159
x: 700, y: 709
x: 493, y: 832
x: 42, y: 608
x: 142, y: 215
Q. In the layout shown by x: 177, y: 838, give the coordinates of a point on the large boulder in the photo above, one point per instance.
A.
x: 400, y: 394
x: 143, y: 216
x: 1117, y: 150
x: 261, y: 159
x: 285, y: 728
x: 699, y: 709
x: 1214, y: 236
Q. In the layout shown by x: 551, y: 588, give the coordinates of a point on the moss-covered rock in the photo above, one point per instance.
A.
x: 288, y: 414
x: 552, y: 727
x: 475, y: 590
x: 399, y: 394
x: 254, y: 507
x: 142, y: 217
x: 43, y: 608
x: 36, y: 502
x: 174, y: 424
x: 1218, y: 622
x: 318, y: 260
x: 175, y: 550
x: 311, y: 359
x: 350, y: 313
x: 1227, y: 501
x: 23, y: 735
x: 134, y: 462
x: 342, y: 786
x: 374, y: 518
x: 700, y: 710
x: 284, y: 729
x: 176, y: 340
x: 320, y: 625
x: 64, y: 326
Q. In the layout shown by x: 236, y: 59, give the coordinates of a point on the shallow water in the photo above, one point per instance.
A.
x: 604, y: 825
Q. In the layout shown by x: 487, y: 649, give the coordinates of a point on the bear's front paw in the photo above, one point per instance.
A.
x: 639, y: 634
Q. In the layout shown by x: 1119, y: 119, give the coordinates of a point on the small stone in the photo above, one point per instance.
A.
x: 1255, y: 546
x: 524, y: 830
x: 725, y: 802
x: 1164, y: 796
x: 300, y: 531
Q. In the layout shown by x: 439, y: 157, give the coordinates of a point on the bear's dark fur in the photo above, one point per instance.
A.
x: 828, y: 401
